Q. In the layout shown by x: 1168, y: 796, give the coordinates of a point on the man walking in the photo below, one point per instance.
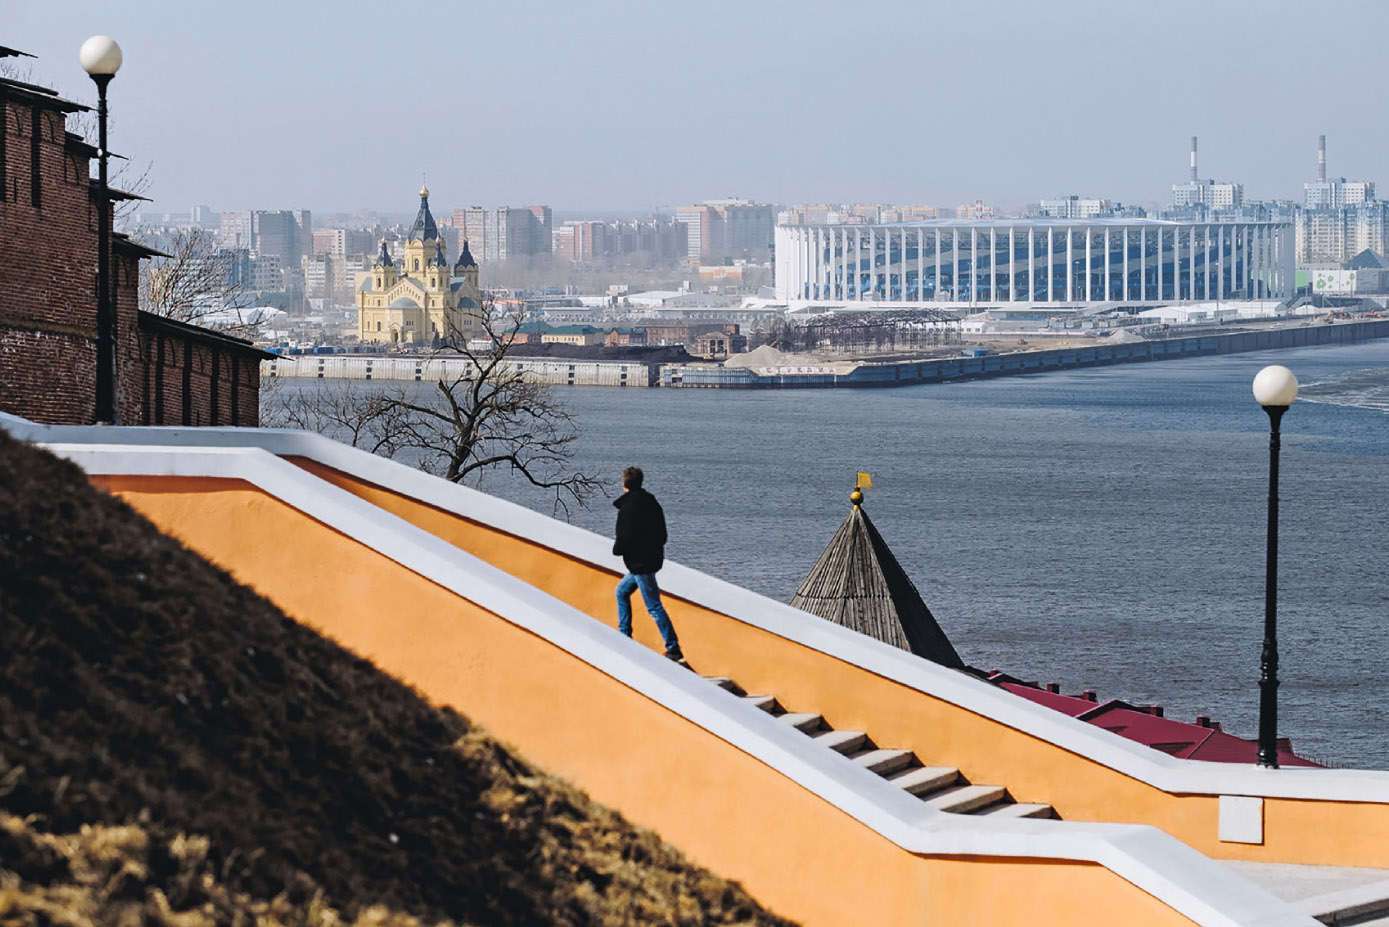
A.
x: 641, y: 543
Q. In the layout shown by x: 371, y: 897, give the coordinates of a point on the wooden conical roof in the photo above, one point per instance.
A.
x: 858, y: 583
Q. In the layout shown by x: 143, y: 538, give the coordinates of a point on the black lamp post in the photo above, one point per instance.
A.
x: 1275, y: 388
x: 101, y: 58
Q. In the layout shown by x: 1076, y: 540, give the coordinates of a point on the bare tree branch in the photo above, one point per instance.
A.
x: 197, y: 283
x: 490, y: 415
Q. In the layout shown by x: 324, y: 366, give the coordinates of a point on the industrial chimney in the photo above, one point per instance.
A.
x: 1193, y: 159
x: 1321, y: 159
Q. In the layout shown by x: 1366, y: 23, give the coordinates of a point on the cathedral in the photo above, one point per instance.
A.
x: 423, y: 301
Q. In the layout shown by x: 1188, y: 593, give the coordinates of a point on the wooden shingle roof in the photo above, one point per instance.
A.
x: 859, y: 584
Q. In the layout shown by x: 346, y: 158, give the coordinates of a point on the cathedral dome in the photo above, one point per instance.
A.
x: 384, y: 258
x: 465, y: 258
x: 424, y: 228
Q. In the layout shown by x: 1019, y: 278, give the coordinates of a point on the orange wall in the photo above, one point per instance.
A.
x: 726, y: 810
x: 894, y: 715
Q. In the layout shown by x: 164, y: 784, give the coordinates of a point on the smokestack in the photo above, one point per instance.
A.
x: 1321, y: 159
x: 1193, y: 159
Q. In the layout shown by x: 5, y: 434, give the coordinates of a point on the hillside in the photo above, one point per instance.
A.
x: 173, y: 750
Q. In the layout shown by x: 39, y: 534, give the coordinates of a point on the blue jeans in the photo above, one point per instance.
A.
x: 651, y: 595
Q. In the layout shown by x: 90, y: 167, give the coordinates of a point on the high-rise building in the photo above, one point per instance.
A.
x: 731, y: 228
x: 330, y: 241
x: 286, y: 233
x: 235, y: 230
x: 505, y: 232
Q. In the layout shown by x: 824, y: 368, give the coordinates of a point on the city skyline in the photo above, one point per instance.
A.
x: 623, y: 108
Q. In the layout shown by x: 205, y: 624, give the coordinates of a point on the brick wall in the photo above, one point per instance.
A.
x: 186, y: 382
x: 48, y: 288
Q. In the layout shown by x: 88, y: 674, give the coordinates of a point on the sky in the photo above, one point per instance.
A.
x: 640, y: 105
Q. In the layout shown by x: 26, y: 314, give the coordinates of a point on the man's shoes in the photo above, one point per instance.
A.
x: 675, y: 654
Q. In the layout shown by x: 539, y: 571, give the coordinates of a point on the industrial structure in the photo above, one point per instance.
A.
x: 979, y: 264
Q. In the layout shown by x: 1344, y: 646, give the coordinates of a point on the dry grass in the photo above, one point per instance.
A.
x: 173, y: 750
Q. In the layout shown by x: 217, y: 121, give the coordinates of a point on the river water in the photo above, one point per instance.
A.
x: 1104, y: 529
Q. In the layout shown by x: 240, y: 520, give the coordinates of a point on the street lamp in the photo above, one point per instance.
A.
x: 101, y: 58
x: 1275, y: 388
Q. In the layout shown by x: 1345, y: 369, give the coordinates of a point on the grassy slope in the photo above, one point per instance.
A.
x: 171, y: 745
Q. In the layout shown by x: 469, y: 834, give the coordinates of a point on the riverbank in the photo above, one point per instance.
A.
x: 791, y: 372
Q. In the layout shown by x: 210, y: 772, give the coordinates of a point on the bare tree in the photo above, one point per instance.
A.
x: 481, y: 414
x: 197, y: 283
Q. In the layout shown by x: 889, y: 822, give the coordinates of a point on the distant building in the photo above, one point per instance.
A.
x: 716, y: 344
x: 723, y: 229
x: 1075, y: 207
x: 285, y: 233
x: 420, y: 299
x: 1207, y: 195
x: 235, y: 230
x: 1071, y: 262
x: 975, y: 210
x: 1337, y: 235
x: 505, y: 232
x: 573, y: 334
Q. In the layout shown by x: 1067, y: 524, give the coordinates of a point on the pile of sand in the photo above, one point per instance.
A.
x: 174, y: 750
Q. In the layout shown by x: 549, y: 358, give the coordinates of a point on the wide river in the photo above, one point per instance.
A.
x: 1104, y: 529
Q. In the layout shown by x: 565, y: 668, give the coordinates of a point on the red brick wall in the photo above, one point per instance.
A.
x: 177, y: 385
x: 48, y: 286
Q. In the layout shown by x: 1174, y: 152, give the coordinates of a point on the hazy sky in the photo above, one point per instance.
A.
x: 614, y: 105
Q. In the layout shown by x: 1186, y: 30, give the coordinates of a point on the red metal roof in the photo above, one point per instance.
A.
x: 1182, y: 739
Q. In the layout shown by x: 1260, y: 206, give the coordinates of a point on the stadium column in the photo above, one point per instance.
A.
x: 1220, y: 261
x: 1089, y: 240
x: 993, y: 263
x: 1191, y: 263
x: 1142, y: 264
x: 955, y: 264
x: 974, y: 264
x: 872, y: 263
x: 920, y: 264
x: 1051, y: 264
x: 859, y: 257
x: 902, y: 265
x: 836, y: 259
x: 937, y: 280
x: 1124, y: 233
x: 1108, y: 263
x: 1070, y: 264
x: 1031, y: 264
x: 1160, y: 255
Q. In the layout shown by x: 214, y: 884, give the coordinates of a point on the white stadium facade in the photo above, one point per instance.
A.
x: 1079, y: 264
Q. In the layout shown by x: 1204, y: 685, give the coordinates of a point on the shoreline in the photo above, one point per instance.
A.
x: 821, y: 373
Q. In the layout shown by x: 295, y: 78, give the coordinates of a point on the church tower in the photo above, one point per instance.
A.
x: 421, y: 301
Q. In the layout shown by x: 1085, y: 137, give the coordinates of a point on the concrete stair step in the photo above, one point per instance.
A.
x: 923, y: 779
x: 884, y: 762
x: 842, y: 741
x: 1018, y: 810
x: 966, y: 799
x: 723, y: 682
x: 765, y: 702
x: 804, y: 721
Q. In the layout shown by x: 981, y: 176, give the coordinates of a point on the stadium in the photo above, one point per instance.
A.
x: 1083, y: 264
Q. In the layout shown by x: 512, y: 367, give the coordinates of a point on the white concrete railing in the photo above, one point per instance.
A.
x: 1176, y: 776
x: 1191, y: 884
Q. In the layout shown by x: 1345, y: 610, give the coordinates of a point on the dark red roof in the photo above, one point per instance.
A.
x: 1182, y: 739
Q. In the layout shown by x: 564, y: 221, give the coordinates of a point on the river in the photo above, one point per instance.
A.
x: 1100, y: 528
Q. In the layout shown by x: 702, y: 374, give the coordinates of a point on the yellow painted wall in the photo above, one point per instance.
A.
x: 894, y: 715
x: 792, y: 850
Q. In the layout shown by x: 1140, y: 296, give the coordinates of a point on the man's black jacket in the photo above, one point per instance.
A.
x: 641, y: 531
